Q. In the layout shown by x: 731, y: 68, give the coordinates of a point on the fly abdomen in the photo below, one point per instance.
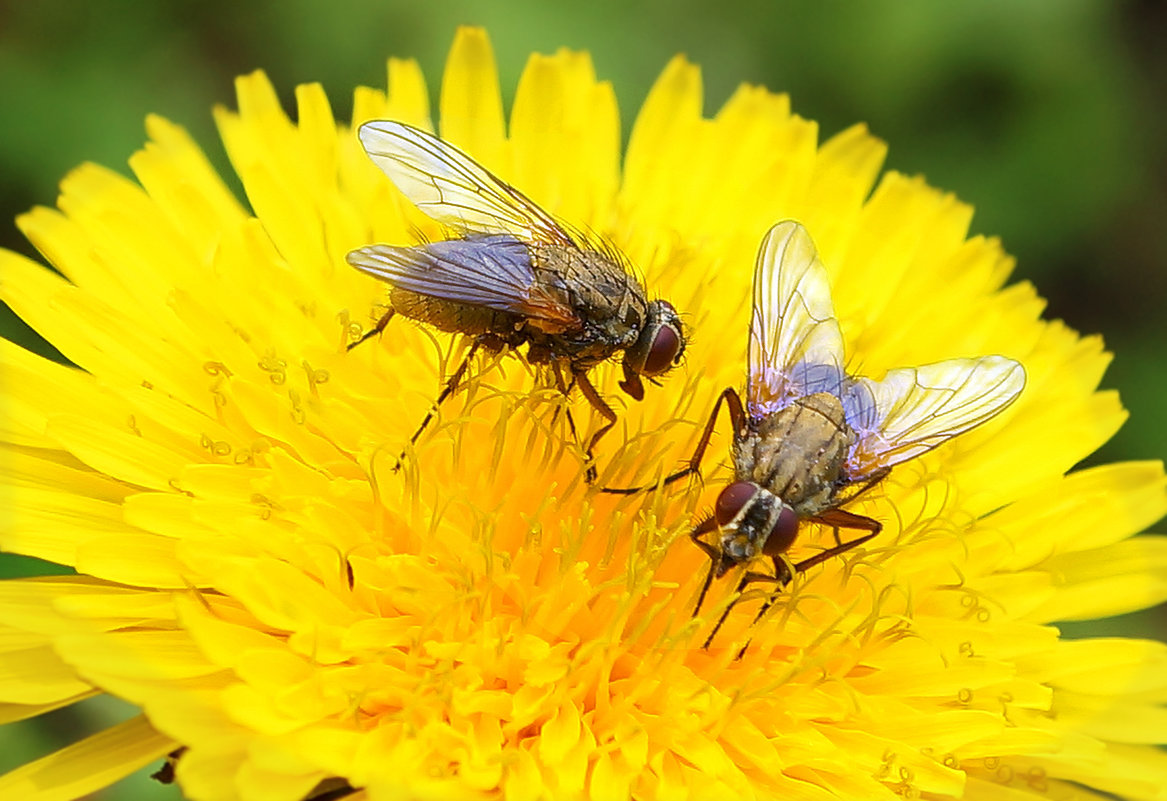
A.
x: 447, y: 315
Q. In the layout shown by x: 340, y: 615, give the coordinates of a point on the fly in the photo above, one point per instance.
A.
x: 811, y: 438
x: 512, y: 275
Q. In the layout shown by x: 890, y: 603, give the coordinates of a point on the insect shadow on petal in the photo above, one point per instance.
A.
x: 512, y: 275
x: 810, y: 438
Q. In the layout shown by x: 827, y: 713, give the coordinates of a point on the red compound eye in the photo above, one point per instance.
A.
x: 784, y: 531
x: 732, y: 500
x: 666, y: 347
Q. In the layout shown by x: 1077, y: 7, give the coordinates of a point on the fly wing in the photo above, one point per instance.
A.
x: 914, y: 409
x: 796, y: 347
x: 491, y: 271
x: 452, y: 188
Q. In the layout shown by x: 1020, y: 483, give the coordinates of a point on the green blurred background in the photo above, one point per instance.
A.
x: 1048, y: 116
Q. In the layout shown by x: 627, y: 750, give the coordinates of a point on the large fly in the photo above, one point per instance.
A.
x: 810, y: 438
x: 512, y: 275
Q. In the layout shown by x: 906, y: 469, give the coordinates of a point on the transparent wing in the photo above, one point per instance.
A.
x: 796, y: 347
x: 452, y: 188
x: 491, y: 271
x: 914, y: 409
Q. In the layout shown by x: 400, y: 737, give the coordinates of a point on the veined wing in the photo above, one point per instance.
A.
x: 796, y: 347
x: 452, y: 188
x: 914, y: 409
x: 490, y: 271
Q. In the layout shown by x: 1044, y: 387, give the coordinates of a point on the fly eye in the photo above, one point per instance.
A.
x: 732, y: 500
x: 784, y: 531
x: 665, y: 349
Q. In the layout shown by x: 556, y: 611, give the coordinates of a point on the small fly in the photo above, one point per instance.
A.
x: 512, y: 275
x: 812, y: 438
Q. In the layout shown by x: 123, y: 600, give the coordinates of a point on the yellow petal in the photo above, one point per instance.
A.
x: 12, y: 712
x: 565, y: 139
x: 1121, y: 578
x: 38, y: 676
x: 88, y: 765
x: 53, y: 525
x: 845, y: 172
x: 656, y: 165
x: 1087, y: 509
x: 136, y: 559
x: 409, y: 99
x: 138, y: 654
x: 471, y: 105
x: 122, y: 455
x: 1101, y: 665
x: 181, y: 181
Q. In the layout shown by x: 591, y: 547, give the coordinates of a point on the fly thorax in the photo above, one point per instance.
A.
x: 799, y: 451
x: 595, y: 284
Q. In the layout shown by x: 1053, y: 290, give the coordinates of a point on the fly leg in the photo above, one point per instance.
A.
x: 876, y: 477
x: 748, y: 578
x: 715, y: 563
x: 451, y: 385
x: 565, y: 388
x: 702, y: 528
x: 447, y: 390
x: 600, y: 405
x: 737, y: 418
x: 836, y: 518
x: 846, y: 519
x: 841, y: 518
x: 378, y: 328
x: 781, y: 578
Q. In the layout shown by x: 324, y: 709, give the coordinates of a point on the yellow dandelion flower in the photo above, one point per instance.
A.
x: 298, y: 617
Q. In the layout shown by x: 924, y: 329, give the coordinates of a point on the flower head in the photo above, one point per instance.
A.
x: 292, y: 610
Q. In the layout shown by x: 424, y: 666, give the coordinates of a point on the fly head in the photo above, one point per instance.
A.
x: 752, y: 521
x: 657, y: 350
